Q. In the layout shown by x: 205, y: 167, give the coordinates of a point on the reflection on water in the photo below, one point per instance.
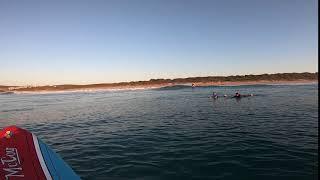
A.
x: 177, y: 133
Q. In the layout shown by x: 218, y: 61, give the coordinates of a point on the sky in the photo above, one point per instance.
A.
x: 103, y: 41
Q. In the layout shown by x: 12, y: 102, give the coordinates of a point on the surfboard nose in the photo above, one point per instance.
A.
x: 24, y: 156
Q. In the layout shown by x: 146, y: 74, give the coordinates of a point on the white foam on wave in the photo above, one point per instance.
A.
x: 85, y: 90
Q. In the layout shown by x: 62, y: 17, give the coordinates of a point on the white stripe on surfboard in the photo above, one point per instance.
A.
x: 40, y: 157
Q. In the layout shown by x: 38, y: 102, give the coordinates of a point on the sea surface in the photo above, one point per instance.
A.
x: 177, y: 132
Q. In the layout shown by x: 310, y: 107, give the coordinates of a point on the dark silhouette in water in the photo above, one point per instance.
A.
x: 237, y: 95
x: 214, y: 95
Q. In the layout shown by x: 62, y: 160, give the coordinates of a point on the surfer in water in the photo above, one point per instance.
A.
x: 237, y: 95
x: 214, y: 95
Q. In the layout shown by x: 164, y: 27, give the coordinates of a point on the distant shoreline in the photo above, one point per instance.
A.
x: 284, y: 78
x: 145, y: 87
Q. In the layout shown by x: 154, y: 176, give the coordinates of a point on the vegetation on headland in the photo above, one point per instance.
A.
x: 154, y: 82
x: 241, y: 78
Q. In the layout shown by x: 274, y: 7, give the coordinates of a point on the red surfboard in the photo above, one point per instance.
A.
x: 24, y: 156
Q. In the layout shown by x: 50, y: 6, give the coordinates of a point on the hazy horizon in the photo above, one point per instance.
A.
x: 82, y: 42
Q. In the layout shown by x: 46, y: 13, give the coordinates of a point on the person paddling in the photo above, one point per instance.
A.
x: 237, y: 95
x: 214, y: 95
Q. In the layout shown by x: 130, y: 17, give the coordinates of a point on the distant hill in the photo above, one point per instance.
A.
x: 239, y: 78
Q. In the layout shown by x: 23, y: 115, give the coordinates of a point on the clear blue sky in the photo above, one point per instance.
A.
x: 96, y: 41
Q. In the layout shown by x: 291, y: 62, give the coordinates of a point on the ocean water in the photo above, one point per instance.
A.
x: 177, y: 133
